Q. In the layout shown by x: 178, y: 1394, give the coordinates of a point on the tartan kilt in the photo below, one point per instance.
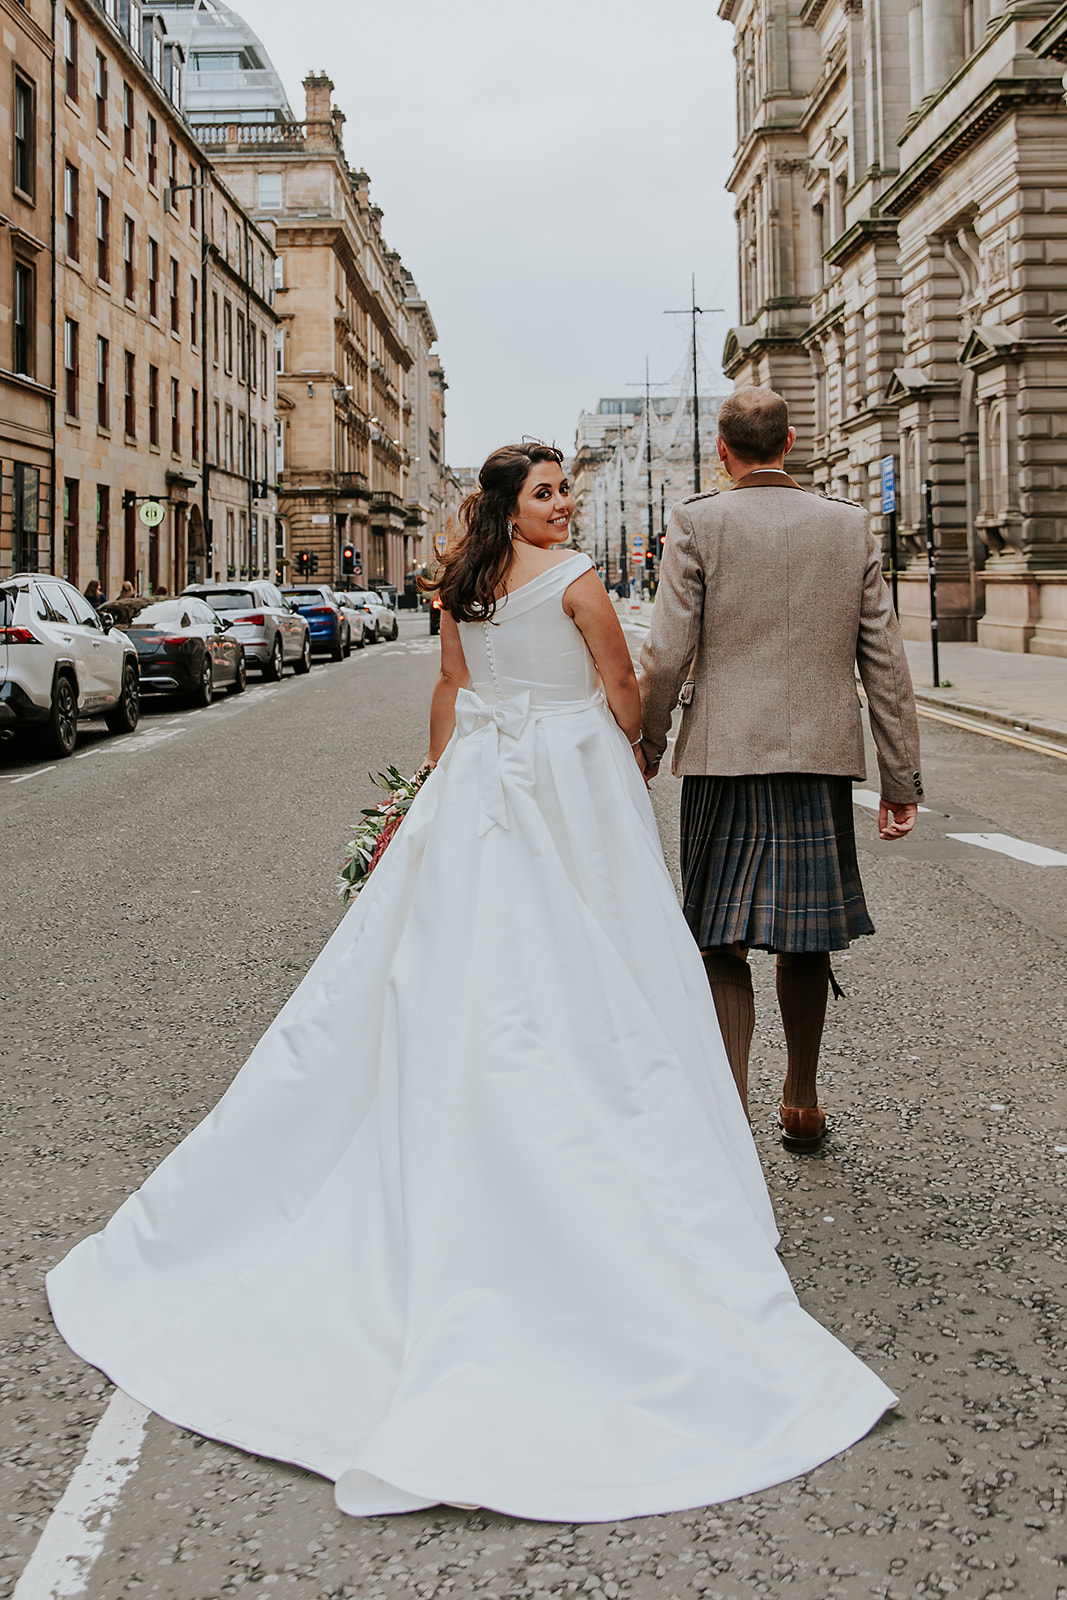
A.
x: 769, y: 861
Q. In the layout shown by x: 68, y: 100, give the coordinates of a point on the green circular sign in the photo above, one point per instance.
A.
x: 151, y: 514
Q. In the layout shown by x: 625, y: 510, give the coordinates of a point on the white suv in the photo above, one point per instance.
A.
x: 60, y: 661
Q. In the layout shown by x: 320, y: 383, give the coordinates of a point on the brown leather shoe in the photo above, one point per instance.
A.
x: 803, y: 1127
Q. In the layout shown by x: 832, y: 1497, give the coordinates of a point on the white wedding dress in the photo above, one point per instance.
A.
x: 481, y: 1220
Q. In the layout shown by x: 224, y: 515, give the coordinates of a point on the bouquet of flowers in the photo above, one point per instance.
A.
x: 370, y: 838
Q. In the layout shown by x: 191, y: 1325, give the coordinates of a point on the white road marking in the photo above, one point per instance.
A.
x: 1037, y: 854
x: 74, y: 1534
x: 26, y: 776
x: 868, y: 798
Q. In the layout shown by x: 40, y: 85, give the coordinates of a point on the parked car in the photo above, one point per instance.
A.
x: 60, y: 660
x: 186, y: 648
x: 360, y: 621
x: 383, y: 617
x: 331, y: 631
x: 273, y: 634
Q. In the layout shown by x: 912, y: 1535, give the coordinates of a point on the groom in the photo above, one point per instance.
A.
x: 769, y: 599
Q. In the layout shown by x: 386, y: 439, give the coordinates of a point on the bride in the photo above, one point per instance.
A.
x: 505, y: 1242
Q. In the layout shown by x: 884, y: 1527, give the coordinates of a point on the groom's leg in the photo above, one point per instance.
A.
x: 731, y: 989
x: 802, y: 982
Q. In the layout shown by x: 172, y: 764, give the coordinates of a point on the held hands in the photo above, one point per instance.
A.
x: 900, y: 823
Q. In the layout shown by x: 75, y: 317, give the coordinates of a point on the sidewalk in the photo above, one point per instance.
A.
x: 1027, y: 693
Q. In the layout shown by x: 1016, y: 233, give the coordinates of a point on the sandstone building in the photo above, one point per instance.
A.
x: 26, y: 376
x: 360, y: 441
x: 901, y: 198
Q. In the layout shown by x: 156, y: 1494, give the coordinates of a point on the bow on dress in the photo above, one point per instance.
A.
x: 507, y: 719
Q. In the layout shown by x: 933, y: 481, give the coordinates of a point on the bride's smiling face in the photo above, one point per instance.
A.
x: 542, y: 514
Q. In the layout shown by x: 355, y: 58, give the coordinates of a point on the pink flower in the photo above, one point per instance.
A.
x: 382, y: 840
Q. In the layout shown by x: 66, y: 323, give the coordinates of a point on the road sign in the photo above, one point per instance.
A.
x: 889, y: 485
x: 151, y: 514
x: 441, y: 543
x: 637, y: 542
x: 357, y: 569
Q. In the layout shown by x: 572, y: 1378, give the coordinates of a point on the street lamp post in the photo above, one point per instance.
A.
x: 695, y: 311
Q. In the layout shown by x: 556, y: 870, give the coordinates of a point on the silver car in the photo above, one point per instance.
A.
x: 273, y: 634
x: 383, y: 623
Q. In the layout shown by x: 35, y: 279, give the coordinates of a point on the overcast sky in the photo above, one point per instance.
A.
x: 551, y: 175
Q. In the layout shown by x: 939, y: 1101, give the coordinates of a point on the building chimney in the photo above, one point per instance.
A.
x: 317, y: 91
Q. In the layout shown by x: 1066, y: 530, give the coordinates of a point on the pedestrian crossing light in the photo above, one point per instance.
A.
x: 349, y: 557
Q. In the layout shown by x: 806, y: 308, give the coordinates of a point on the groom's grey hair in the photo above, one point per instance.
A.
x: 754, y: 424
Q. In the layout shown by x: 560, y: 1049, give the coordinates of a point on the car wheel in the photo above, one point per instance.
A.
x: 348, y: 643
x: 240, y: 682
x: 338, y: 650
x: 62, y: 732
x: 204, y: 692
x: 127, y: 714
x: 396, y: 630
x: 272, y: 669
x: 361, y: 639
x: 303, y: 660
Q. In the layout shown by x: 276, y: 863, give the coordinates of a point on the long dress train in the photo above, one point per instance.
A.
x: 481, y: 1220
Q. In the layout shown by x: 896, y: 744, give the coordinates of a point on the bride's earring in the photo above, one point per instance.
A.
x: 511, y: 529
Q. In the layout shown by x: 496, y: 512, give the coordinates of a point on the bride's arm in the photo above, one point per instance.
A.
x: 586, y: 600
x: 452, y: 677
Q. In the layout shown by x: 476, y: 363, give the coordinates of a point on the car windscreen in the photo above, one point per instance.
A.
x: 305, y: 597
x: 168, y: 614
x: 230, y: 600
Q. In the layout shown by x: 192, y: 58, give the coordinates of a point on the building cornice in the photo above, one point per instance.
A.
x: 1051, y: 41
x: 861, y: 234
x: 812, y: 10
x: 767, y: 135
x: 32, y: 29
x: 822, y: 324
x: 997, y: 100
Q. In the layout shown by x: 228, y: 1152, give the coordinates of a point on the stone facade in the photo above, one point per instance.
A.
x: 610, y: 473
x: 352, y: 331
x: 901, y: 187
x: 27, y: 480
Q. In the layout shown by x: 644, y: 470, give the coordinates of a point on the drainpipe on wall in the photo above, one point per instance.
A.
x: 52, y: 502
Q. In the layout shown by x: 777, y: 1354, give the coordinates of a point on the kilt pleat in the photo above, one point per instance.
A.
x: 769, y: 861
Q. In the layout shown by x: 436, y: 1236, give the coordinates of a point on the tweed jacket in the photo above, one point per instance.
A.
x: 769, y: 599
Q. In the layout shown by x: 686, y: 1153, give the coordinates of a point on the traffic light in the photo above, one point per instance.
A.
x: 348, y: 560
x: 314, y: 562
x: 303, y: 563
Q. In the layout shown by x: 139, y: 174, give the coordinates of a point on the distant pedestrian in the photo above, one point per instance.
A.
x: 160, y: 592
x: 126, y: 592
x: 768, y: 601
x: 94, y: 593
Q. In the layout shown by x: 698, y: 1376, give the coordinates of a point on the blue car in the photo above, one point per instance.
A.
x: 330, y: 631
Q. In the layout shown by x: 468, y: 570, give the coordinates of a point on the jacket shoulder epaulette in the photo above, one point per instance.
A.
x: 705, y: 495
x: 839, y: 500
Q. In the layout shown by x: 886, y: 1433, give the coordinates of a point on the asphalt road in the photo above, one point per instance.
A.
x: 165, y: 893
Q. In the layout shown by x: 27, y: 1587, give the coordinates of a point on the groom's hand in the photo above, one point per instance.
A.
x: 903, y: 819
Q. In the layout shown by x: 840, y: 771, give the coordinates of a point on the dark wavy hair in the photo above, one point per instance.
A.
x: 474, y: 566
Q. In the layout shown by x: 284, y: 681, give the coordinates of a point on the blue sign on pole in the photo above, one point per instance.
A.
x: 889, y: 485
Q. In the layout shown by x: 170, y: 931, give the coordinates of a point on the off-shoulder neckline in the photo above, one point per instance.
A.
x: 555, y: 567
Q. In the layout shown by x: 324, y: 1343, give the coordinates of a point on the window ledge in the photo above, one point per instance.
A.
x: 102, y: 433
x: 24, y: 195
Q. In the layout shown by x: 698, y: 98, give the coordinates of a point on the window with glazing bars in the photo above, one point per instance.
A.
x: 70, y: 366
x: 153, y: 406
x: 129, y: 395
x: 103, y: 359
x: 153, y: 278
x: 127, y: 121
x: 70, y: 210
x: 70, y: 55
x: 175, y: 418
x: 152, y: 161
x: 103, y: 229
x: 194, y: 423
x: 25, y: 152
x: 22, y: 324
x: 175, y: 309
x: 101, y: 92
x: 128, y: 248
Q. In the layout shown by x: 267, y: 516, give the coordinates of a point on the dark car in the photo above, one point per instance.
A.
x: 183, y: 647
x: 331, y: 632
